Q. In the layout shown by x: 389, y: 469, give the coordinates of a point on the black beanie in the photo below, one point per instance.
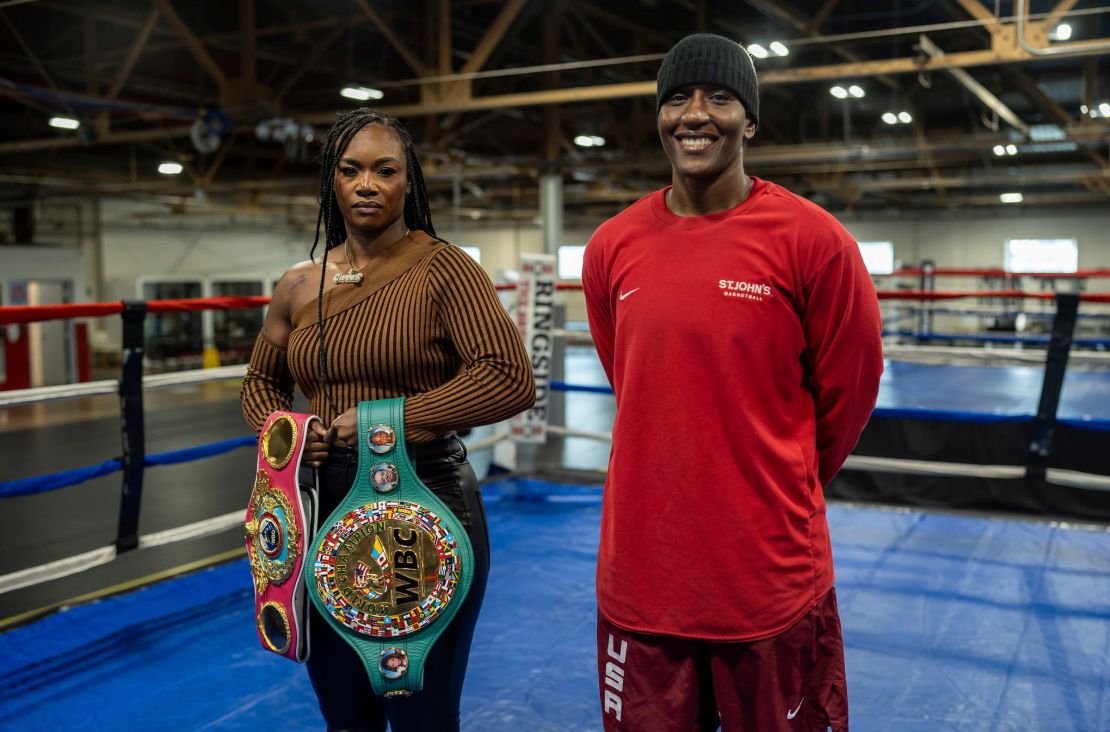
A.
x: 704, y: 58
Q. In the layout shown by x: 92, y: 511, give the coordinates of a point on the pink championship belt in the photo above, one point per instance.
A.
x: 281, y: 521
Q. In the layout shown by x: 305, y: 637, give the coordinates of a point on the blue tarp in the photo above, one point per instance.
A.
x: 950, y: 623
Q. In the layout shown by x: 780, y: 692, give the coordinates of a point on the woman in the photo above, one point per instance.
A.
x: 393, y: 311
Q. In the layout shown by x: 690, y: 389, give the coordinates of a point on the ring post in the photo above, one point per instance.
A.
x: 1056, y: 364
x: 131, y: 425
x: 925, y: 314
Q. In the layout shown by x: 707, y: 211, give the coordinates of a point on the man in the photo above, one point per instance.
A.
x: 740, y: 331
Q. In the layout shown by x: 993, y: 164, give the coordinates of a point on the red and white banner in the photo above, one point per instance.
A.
x: 535, y: 320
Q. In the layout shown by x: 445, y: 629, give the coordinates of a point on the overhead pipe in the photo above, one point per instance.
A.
x: 1021, y: 11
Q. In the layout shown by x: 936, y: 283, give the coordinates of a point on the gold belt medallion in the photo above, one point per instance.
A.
x: 387, y: 568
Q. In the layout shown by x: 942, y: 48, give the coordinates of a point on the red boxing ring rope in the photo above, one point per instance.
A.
x: 990, y: 272
x: 15, y: 314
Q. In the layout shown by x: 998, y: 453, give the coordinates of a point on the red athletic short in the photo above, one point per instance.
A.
x: 793, y: 681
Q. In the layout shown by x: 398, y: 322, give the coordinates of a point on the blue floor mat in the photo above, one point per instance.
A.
x: 950, y: 623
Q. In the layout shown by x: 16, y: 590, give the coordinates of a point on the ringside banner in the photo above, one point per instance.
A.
x: 535, y: 320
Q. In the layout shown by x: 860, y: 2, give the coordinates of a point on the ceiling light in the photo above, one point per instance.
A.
x: 586, y: 141
x: 779, y: 49
x: 838, y: 92
x: 905, y: 117
x: 1061, y: 32
x: 361, y: 93
x: 856, y: 91
x: 598, y: 141
x: 757, y: 50
x: 170, y: 168
x: 890, y: 118
x: 1011, y: 149
x: 64, y: 123
x: 999, y: 150
x: 1046, y: 133
x: 1011, y: 198
x: 1104, y: 109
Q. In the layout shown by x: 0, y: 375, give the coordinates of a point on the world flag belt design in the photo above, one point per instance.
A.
x: 392, y: 564
x: 280, y: 524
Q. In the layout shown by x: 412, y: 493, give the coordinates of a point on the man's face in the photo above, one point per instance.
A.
x: 703, y: 129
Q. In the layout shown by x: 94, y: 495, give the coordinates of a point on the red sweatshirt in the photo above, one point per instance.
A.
x: 744, y: 351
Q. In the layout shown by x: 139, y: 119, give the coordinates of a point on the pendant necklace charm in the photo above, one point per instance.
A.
x: 351, y: 277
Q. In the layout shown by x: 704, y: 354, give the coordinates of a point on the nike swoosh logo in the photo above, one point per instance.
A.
x: 626, y: 294
x: 791, y: 715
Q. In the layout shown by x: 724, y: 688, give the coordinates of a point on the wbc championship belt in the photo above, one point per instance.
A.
x: 391, y: 565
x: 281, y: 521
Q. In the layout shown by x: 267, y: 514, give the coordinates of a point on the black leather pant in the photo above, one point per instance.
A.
x: 338, y: 676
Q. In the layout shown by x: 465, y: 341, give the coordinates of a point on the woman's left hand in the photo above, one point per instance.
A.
x: 344, y: 430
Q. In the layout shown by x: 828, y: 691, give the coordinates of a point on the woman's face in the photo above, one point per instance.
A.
x: 371, y: 180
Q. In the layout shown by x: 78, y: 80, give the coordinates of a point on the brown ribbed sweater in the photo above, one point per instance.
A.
x: 425, y: 324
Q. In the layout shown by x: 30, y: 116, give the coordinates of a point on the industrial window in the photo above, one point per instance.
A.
x: 878, y: 256
x: 1042, y: 255
x: 570, y: 261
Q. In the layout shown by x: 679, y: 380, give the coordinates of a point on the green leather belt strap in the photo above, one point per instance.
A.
x: 392, y: 564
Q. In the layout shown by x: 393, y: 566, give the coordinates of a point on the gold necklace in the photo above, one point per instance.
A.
x: 353, y: 276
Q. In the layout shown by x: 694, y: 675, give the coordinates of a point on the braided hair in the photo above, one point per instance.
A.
x: 417, y: 214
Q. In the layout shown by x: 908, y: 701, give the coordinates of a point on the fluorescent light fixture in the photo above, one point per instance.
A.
x: 779, y: 48
x: 170, y: 168
x: 757, y: 50
x: 1011, y: 149
x: 839, y: 92
x: 589, y: 141
x: 361, y: 93
x: 1046, y: 133
x: 1011, y: 197
x: 856, y: 91
x: 1104, y: 109
x: 598, y: 141
x: 905, y: 117
x: 890, y: 118
x: 1083, y: 109
x: 1061, y: 32
x: 999, y: 150
x: 64, y: 123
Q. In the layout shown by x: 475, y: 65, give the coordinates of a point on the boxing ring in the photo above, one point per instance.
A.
x: 951, y: 620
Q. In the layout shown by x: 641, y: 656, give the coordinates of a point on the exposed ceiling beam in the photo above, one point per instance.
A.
x: 976, y: 10
x: 112, y: 138
x: 133, y: 53
x: 191, y: 42
x: 92, y: 79
x: 981, y: 92
x: 996, y: 56
x: 591, y: 8
x: 443, y: 23
x: 27, y: 50
x: 822, y: 15
x: 803, y: 25
x: 248, y: 67
x: 398, y: 45
x: 290, y: 80
x: 493, y: 36
x: 1058, y: 12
